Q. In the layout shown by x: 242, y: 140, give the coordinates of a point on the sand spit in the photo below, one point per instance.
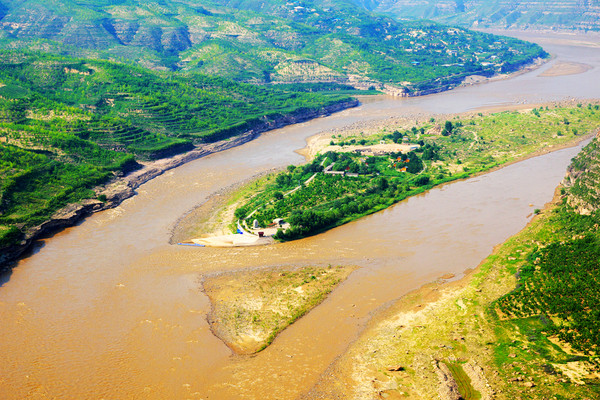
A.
x: 234, y: 240
x: 562, y: 68
x: 249, y: 308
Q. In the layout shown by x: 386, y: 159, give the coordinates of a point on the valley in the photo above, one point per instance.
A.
x: 244, y: 199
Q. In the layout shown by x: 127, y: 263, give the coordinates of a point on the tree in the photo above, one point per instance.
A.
x: 282, y: 179
x: 448, y: 127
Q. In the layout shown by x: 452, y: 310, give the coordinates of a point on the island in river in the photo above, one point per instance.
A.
x: 356, y: 174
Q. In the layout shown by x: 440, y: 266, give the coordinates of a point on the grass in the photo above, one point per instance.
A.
x: 250, y: 308
x: 463, y: 381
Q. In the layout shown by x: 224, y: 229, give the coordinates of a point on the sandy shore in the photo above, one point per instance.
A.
x: 233, y: 240
x: 566, y: 68
x: 399, y: 354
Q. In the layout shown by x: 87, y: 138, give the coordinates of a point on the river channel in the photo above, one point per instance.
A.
x: 109, y: 309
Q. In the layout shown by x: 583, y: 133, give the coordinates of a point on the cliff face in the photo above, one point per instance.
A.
x: 123, y: 188
x: 522, y: 14
x: 583, y: 179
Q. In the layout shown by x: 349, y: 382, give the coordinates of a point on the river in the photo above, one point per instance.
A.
x: 108, y: 309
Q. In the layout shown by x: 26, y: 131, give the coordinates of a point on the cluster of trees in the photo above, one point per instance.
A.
x: 331, y: 200
x: 561, y: 281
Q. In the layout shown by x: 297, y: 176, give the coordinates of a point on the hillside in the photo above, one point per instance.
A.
x: 521, y: 14
x: 264, y: 41
x: 68, y: 125
x: 523, y: 325
x: 583, y: 180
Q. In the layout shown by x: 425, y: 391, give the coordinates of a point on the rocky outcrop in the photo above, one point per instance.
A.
x: 448, y: 389
x: 123, y: 30
x: 87, y: 35
x: 33, y: 22
x: 582, y: 181
x: 122, y: 188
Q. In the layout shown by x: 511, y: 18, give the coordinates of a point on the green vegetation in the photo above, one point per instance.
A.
x: 143, y: 111
x: 463, y: 381
x: 56, y: 170
x: 499, y: 327
x: 557, y: 292
x: 548, y: 324
x: 369, y: 183
x: 265, y: 41
x: 68, y: 125
x: 561, y: 282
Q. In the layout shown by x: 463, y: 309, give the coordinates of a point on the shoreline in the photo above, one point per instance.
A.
x: 121, y: 188
x: 415, y: 309
x: 310, y: 151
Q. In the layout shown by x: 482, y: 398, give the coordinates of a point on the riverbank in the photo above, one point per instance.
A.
x: 122, y: 188
x: 477, y: 79
x: 318, y: 142
x: 468, y: 145
x: 447, y: 339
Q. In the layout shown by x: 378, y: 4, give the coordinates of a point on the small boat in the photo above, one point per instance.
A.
x: 191, y: 244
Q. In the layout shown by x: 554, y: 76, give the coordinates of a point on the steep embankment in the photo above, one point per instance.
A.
x: 266, y: 41
x: 583, y: 180
x: 522, y: 14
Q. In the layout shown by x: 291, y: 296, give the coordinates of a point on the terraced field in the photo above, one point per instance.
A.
x: 68, y: 125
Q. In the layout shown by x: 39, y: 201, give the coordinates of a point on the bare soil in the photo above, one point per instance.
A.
x: 249, y: 308
x: 566, y: 68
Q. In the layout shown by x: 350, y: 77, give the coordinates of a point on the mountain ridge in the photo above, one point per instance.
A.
x: 264, y: 42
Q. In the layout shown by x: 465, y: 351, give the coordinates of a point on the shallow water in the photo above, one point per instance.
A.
x: 108, y: 309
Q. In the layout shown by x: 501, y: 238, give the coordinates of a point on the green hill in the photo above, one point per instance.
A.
x: 264, y: 41
x: 68, y: 125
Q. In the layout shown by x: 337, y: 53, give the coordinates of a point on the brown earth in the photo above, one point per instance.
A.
x: 566, y: 68
x: 249, y: 308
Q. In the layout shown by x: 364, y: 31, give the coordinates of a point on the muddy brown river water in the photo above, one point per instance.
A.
x: 109, y: 310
